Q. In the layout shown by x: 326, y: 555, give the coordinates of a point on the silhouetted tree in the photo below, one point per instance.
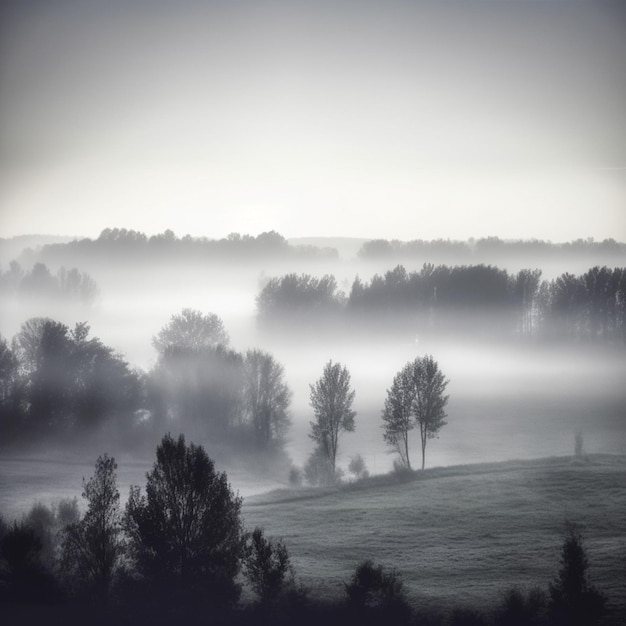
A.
x: 266, y: 398
x: 374, y: 590
x: 23, y: 576
x: 92, y: 547
x: 331, y: 399
x: 521, y: 609
x: 186, y: 532
x: 191, y: 330
x: 573, y: 601
x: 267, y: 566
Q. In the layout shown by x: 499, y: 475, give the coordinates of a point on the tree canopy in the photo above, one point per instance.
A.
x: 331, y: 399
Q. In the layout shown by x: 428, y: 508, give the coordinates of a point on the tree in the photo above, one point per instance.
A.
x: 416, y: 398
x: 186, y: 532
x: 573, y: 601
x: 430, y: 399
x: 266, y: 398
x: 378, y: 592
x: 398, y: 413
x: 331, y: 400
x: 191, y: 330
x: 267, y: 565
x: 92, y: 547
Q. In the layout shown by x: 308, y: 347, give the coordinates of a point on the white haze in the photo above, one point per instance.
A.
x: 505, y: 402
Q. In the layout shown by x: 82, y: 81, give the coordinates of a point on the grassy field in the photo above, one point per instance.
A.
x: 458, y: 535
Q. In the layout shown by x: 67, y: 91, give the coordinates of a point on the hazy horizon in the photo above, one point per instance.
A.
x: 398, y: 120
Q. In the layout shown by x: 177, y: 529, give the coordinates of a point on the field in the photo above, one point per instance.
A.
x: 458, y: 535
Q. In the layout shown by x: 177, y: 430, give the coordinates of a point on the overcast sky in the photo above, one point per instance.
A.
x: 395, y: 119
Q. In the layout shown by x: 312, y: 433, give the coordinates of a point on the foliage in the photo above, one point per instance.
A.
x: 67, y: 384
x: 267, y: 566
x: 521, y: 609
x: 23, y: 576
x: 92, y: 547
x: 398, y: 414
x: 266, y: 398
x: 416, y: 398
x: 298, y: 297
x: 318, y: 471
x: 331, y: 399
x: 573, y: 601
x: 186, y: 531
x: 199, y: 391
x: 39, y: 284
x: 372, y: 588
x: 357, y: 467
x: 192, y: 331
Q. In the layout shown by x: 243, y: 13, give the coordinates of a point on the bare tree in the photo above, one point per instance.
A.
x: 331, y: 400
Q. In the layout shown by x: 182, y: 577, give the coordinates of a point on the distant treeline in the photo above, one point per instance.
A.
x: 121, y: 243
x: 440, y: 299
x: 39, y: 283
x: 60, y: 384
x: 492, y: 249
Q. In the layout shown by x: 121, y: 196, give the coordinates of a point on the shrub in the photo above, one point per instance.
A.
x: 375, y: 591
x: 267, y: 565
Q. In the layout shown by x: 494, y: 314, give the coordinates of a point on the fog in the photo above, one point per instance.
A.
x: 508, y: 399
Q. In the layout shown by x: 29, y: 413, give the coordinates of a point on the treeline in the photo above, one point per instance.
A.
x: 493, y: 249
x: 179, y: 553
x: 39, y: 283
x: 479, y: 300
x: 123, y: 244
x: 115, y: 244
x: 58, y: 383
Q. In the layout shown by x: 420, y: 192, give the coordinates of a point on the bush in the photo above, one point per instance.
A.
x: 267, y: 565
x: 357, y: 467
x: 23, y: 577
x: 377, y: 592
x: 519, y: 609
x: 318, y: 470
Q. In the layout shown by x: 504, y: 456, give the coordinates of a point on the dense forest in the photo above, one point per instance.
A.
x: 475, y: 300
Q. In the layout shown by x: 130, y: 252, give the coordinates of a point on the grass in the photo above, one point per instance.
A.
x: 457, y: 535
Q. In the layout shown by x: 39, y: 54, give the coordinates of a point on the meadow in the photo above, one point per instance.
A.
x: 461, y: 535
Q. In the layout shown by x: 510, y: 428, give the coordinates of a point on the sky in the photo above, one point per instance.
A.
x: 396, y: 119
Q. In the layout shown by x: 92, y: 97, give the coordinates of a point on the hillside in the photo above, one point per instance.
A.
x: 459, y: 535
